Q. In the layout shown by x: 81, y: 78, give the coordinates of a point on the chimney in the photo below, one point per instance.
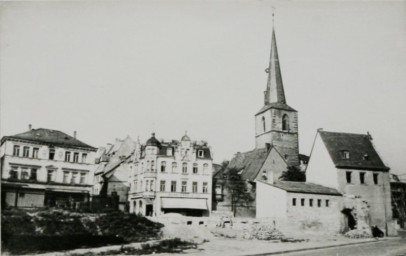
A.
x: 74, y: 134
x: 30, y: 127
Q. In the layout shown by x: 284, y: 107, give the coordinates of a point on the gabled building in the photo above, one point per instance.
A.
x: 44, y: 167
x: 113, y: 170
x: 350, y: 164
x: 172, y: 177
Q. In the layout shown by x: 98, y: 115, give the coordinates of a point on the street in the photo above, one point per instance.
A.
x: 393, y: 247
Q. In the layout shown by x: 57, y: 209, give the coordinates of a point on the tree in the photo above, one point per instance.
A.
x: 293, y: 173
x: 237, y: 189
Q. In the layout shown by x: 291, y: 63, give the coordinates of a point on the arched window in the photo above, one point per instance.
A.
x: 163, y: 166
x: 184, y: 168
x: 263, y: 124
x: 195, y: 169
x: 174, y: 166
x: 285, y: 123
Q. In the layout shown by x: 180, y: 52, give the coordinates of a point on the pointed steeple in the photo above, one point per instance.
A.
x: 274, y: 90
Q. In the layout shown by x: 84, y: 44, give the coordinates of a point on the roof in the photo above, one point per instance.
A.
x: 185, y: 138
x: 250, y: 162
x: 153, y: 141
x: 50, y: 137
x: 275, y: 105
x: 362, y: 154
x: 304, y: 187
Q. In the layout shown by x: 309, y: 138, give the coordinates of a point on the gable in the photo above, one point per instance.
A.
x: 273, y: 166
x: 249, y: 162
x: 362, y: 154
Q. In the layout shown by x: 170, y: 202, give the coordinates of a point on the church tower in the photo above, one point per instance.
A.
x: 276, y: 123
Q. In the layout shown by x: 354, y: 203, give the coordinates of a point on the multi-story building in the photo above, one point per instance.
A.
x: 43, y: 167
x: 172, y: 176
x: 114, y: 165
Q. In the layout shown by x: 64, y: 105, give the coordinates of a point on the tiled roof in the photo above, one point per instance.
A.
x: 362, y: 154
x: 50, y: 137
x: 304, y: 187
x: 250, y: 162
x: 275, y: 105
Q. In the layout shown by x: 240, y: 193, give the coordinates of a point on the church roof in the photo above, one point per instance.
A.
x: 275, y: 105
x: 362, y: 154
x: 304, y: 187
x: 49, y: 137
x: 249, y: 162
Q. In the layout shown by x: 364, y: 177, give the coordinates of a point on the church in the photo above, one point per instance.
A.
x: 276, y: 140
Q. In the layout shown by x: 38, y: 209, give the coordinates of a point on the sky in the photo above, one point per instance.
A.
x: 108, y: 69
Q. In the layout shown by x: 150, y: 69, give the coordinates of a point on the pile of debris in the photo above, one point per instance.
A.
x: 359, y: 233
x: 262, y: 232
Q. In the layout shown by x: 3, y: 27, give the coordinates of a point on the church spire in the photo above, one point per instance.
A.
x: 274, y: 90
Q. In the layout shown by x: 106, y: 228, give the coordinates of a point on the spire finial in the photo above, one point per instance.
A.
x: 273, y: 15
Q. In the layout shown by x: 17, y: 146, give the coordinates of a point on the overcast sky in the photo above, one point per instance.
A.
x: 112, y: 69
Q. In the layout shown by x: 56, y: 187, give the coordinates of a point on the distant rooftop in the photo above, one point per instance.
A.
x: 49, y: 137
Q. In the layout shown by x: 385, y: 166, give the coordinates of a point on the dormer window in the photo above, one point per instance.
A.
x: 169, y: 152
x: 366, y: 156
x: 200, y: 153
x: 345, y: 154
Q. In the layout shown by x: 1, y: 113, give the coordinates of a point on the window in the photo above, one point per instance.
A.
x: 151, y: 187
x: 51, y: 154
x: 200, y: 153
x: 141, y: 186
x: 26, y: 152
x: 302, y: 201
x: 318, y: 202
x: 376, y: 175
x: 84, y: 157
x: 327, y: 203
x: 33, y: 175
x: 163, y: 166
x: 205, y: 168
x: 285, y: 123
x: 263, y: 124
x: 169, y: 152
x: 362, y: 177
x: 35, y: 152
x: 162, y: 186
x: 345, y: 154
x: 195, y: 169
x: 74, y: 177
x: 152, y: 166
x: 136, y: 185
x: 348, y: 176
x: 76, y: 157
x: 147, y: 185
x: 173, y: 186
x: 294, y: 201
x: 67, y: 156
x: 148, y: 166
x: 50, y: 176
x: 194, y: 187
x: 82, y: 178
x: 205, y: 187
x: 13, y: 174
x: 16, y: 150
x: 311, y: 202
x: 184, y: 184
x: 65, y: 177
x: 24, y: 174
x: 174, y: 166
x: 184, y: 168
